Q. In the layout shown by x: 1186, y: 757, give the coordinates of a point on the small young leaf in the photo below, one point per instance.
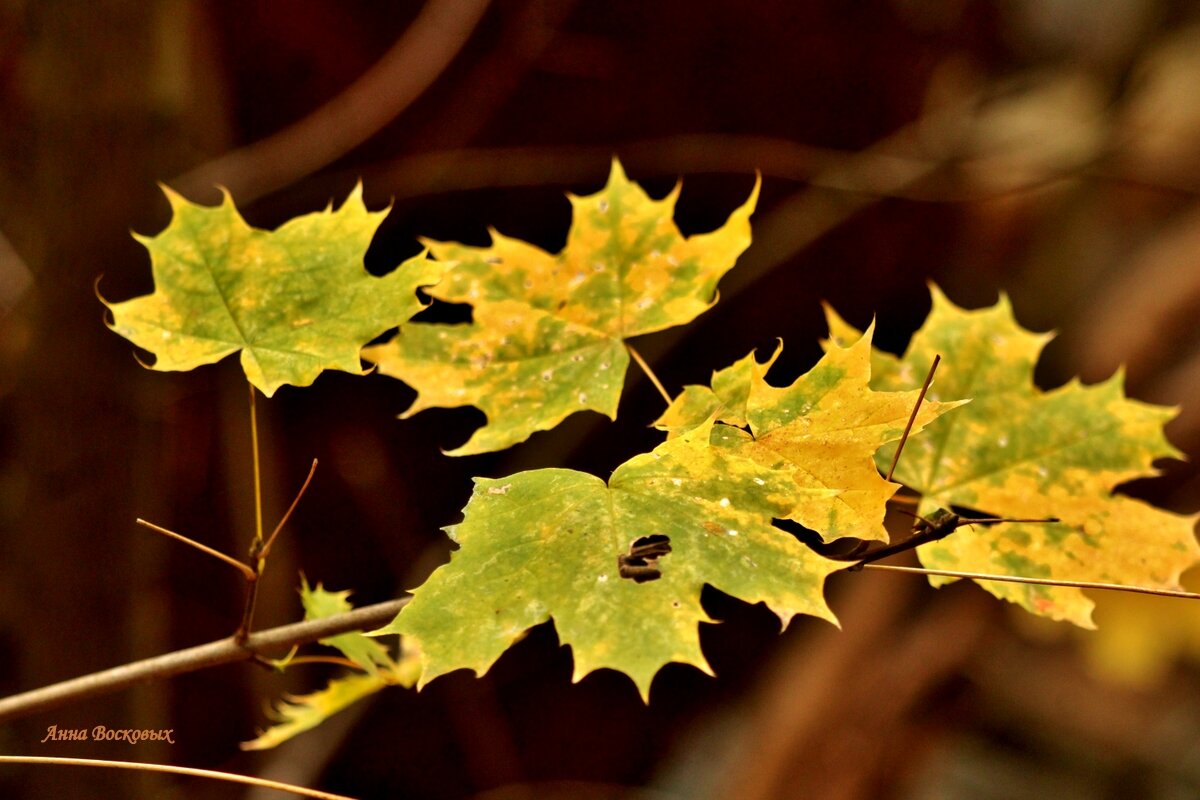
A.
x: 562, y: 544
x: 294, y: 301
x: 548, y: 330
x: 1016, y: 451
x: 318, y: 603
x: 295, y: 715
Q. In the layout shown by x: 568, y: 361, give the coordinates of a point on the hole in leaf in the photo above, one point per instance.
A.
x: 442, y: 312
x: 640, y: 564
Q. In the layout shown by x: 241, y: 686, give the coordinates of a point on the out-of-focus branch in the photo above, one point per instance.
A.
x: 412, y: 64
x: 223, y: 651
x: 228, y: 777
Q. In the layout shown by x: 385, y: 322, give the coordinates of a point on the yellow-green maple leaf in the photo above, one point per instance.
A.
x: 1016, y: 451
x: 547, y: 336
x: 295, y: 301
x: 823, y: 430
x: 296, y: 714
x: 368, y: 653
x: 546, y: 544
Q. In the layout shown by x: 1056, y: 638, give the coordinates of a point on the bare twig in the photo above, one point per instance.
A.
x: 266, y: 548
x: 222, y: 651
x: 980, y: 576
x: 231, y: 777
x: 936, y: 527
x: 203, y: 548
x: 913, y: 417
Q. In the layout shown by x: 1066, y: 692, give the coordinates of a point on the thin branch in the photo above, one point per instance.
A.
x: 913, y: 417
x: 979, y: 576
x: 649, y: 372
x: 938, y: 526
x: 222, y: 651
x: 231, y: 777
x: 203, y: 548
x: 931, y: 533
x: 973, y: 520
x: 266, y: 549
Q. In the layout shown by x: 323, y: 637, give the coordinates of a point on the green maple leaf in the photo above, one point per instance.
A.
x: 547, y: 336
x: 296, y: 714
x: 295, y: 301
x: 545, y: 544
x: 823, y: 431
x: 1017, y: 451
x: 358, y: 647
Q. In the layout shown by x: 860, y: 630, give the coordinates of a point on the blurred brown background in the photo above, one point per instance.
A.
x: 1046, y: 148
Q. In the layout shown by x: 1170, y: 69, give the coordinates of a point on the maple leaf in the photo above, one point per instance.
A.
x: 296, y: 714
x: 1017, y: 451
x: 548, y: 331
x: 295, y: 301
x: 823, y: 430
x: 319, y: 603
x: 555, y: 543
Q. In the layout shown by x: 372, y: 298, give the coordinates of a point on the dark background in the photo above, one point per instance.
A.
x: 1049, y: 149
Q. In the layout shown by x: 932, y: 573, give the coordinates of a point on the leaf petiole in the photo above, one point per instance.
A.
x: 641, y: 362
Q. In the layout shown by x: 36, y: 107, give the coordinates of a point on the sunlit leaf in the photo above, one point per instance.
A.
x: 294, y: 301
x: 823, y: 431
x: 548, y: 544
x: 1017, y: 451
x: 548, y: 330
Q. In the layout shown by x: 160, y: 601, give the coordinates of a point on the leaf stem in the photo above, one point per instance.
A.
x: 230, y: 777
x: 246, y: 571
x: 913, y: 417
x: 258, y: 515
x: 649, y: 372
x: 338, y: 660
x: 980, y: 576
x: 222, y: 651
x: 243, y: 629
